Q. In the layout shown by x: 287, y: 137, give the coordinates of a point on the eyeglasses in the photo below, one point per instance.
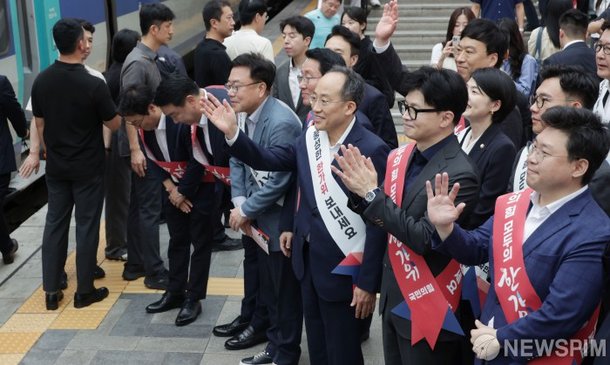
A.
x: 235, y: 88
x: 306, y: 79
x: 539, y: 155
x: 411, y: 110
x: 605, y: 47
x: 539, y: 100
x: 323, y: 102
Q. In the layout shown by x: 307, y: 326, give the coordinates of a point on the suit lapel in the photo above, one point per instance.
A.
x: 483, y: 143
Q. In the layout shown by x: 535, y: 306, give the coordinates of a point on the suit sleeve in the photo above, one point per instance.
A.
x: 467, y: 247
x: 274, y: 158
x: 392, y: 66
x: 278, y: 182
x: 381, y: 118
x: 416, y: 232
x: 369, y: 277
x: 11, y: 107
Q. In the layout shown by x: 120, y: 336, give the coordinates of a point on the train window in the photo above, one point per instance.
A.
x: 4, y: 29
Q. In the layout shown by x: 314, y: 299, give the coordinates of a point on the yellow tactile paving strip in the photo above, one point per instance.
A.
x: 31, y: 320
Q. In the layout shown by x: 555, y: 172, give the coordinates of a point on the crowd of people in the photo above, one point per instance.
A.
x: 487, y: 231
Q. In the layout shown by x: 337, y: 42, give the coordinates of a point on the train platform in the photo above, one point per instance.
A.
x: 118, y: 330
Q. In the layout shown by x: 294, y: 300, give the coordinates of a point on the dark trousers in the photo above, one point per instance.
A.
x: 280, y: 292
x: 253, y: 308
x: 5, y: 241
x: 333, y: 332
x: 398, y: 350
x: 117, y: 180
x: 188, y: 271
x: 143, y: 225
x: 87, y: 197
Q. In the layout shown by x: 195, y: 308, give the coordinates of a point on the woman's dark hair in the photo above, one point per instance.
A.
x: 123, y: 42
x: 356, y: 13
x: 453, y: 19
x: 554, y: 10
x: 496, y: 84
x: 516, y: 47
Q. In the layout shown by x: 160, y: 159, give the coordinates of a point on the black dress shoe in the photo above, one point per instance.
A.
x: 85, y: 300
x: 247, y: 338
x: 158, y: 282
x: 133, y: 274
x: 230, y: 329
x: 98, y: 273
x: 228, y: 244
x: 9, y: 257
x: 52, y: 300
x: 168, y: 301
x: 191, y: 309
x: 262, y: 357
x: 63, y: 282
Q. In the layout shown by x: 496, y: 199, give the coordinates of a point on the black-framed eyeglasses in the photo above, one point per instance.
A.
x: 411, y: 110
x: 306, y: 79
x: 539, y: 100
x: 235, y: 88
x: 604, y: 47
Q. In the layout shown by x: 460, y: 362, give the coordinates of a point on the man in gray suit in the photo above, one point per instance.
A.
x: 434, y: 102
x: 258, y: 196
x: 297, y: 32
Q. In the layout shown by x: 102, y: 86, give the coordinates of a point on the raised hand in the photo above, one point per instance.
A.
x: 442, y: 211
x: 387, y: 24
x: 357, y: 172
x: 221, y: 114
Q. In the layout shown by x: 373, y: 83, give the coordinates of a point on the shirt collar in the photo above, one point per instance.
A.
x: 571, y: 43
x: 162, y: 123
x: 254, y: 117
x: 292, y: 66
x: 345, y: 133
x: 554, y: 206
x: 147, y: 51
x: 432, y: 150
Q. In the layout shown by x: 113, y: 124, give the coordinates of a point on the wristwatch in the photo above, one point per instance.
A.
x: 371, y: 194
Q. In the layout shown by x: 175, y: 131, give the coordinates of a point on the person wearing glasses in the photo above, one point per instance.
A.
x: 602, y: 61
x: 252, y: 17
x: 412, y: 323
x: 335, y: 255
x: 545, y: 246
x: 491, y: 96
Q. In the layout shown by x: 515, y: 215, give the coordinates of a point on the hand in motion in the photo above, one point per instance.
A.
x: 442, y: 211
x: 364, y: 303
x: 387, y: 24
x: 30, y: 165
x: 357, y: 172
x: 286, y: 243
x: 221, y: 114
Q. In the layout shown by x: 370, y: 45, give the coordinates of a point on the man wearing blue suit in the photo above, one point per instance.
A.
x: 190, y: 198
x: 258, y: 197
x: 9, y: 110
x: 546, y: 253
x: 329, y: 242
x: 572, y: 36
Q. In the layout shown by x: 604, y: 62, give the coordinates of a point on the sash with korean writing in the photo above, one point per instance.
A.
x: 345, y: 227
x: 519, y: 181
x: 176, y: 169
x: 513, y: 287
x: 429, y: 301
x: 260, y: 237
x: 222, y: 173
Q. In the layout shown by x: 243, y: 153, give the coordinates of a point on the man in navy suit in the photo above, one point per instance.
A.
x: 9, y: 110
x: 574, y: 51
x: 335, y: 256
x: 548, y: 243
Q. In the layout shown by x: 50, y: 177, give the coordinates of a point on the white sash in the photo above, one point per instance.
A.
x: 519, y: 181
x: 345, y: 227
x: 197, y: 151
x: 261, y: 178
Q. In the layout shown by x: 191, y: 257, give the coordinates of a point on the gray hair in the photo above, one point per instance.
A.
x: 353, y: 88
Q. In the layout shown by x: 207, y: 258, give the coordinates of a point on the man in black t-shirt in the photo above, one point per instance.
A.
x: 70, y: 106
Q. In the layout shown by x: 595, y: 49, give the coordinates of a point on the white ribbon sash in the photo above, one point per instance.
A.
x: 519, y: 181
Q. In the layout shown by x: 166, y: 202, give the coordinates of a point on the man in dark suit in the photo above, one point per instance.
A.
x: 329, y: 240
x: 9, y: 110
x: 433, y: 105
x: 374, y: 105
x: 547, y: 273
x: 297, y: 32
x: 572, y: 35
x: 258, y: 197
x: 192, y: 198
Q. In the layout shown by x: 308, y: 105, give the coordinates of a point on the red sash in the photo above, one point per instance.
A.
x: 222, y: 173
x: 460, y: 126
x: 174, y: 168
x: 515, y: 292
x: 427, y: 297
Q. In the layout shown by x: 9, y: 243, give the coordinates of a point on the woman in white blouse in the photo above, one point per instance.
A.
x: 442, y: 53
